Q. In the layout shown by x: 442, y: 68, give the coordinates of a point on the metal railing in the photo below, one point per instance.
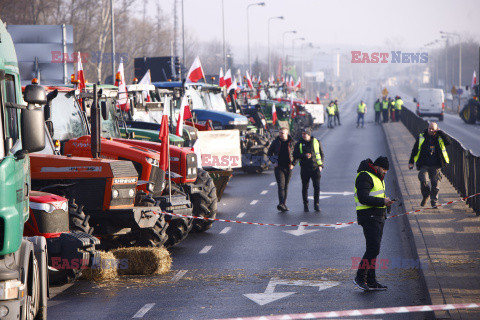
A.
x: 463, y: 171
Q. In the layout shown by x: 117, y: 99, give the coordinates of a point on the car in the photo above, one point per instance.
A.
x: 430, y: 103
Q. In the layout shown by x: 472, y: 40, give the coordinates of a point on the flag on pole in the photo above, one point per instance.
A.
x: 228, y: 79
x: 163, y: 136
x: 294, y: 113
x: 474, y: 79
x: 274, y: 114
x: 80, y: 75
x: 196, y: 72
x: 181, y: 116
x: 122, y: 101
x: 291, y: 82
x: 249, y: 81
x: 318, y: 99
x: 240, y: 81
x: 221, y: 79
x: 146, y: 80
x: 298, y: 85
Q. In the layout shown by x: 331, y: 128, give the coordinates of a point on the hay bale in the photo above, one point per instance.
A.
x: 142, y: 261
x: 103, y: 269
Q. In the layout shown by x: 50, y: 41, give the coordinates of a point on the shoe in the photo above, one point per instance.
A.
x: 305, y: 208
x: 362, y: 285
x: 434, y: 204
x: 285, y: 208
x: 375, y: 286
x: 424, y: 200
x: 317, y: 208
x: 279, y: 208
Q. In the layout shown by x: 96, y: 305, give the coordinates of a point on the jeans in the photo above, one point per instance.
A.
x: 330, y: 121
x: 337, y: 118
x: 282, y: 175
x: 397, y: 115
x: 306, y: 175
x: 377, y: 116
x: 373, y: 232
x: 385, y: 115
x: 362, y: 117
x: 435, y: 175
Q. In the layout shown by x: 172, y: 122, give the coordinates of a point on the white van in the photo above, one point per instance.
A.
x: 430, y: 103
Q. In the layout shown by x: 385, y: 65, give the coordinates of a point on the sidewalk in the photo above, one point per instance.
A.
x: 447, y: 239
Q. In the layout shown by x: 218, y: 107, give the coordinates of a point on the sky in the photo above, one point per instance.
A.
x: 345, y: 24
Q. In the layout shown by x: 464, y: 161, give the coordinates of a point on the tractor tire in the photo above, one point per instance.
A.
x: 469, y: 113
x: 154, y: 237
x: 78, y: 219
x: 178, y: 227
x: 204, y: 202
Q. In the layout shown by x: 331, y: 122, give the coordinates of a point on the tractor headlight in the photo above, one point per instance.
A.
x: 152, y: 161
x: 64, y: 206
x: 47, y: 207
x: 131, y: 193
x: 115, y: 194
x: 10, y: 289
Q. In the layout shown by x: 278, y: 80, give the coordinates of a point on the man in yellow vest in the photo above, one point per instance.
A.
x: 430, y: 155
x: 371, y: 204
x: 337, y: 113
x: 385, y: 109
x: 331, y: 114
x: 361, y: 110
x: 398, y: 107
x: 310, y: 153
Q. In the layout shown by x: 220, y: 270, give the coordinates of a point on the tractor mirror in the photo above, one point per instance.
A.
x: 103, y: 107
x: 35, y: 94
x: 33, y: 129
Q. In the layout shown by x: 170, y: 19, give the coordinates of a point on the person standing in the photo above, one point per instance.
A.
x: 331, y: 114
x: 391, y: 103
x: 430, y: 155
x: 398, y: 107
x: 385, y: 109
x: 310, y: 153
x: 371, y: 204
x: 377, y: 106
x: 281, y: 154
x: 337, y: 113
x: 361, y: 110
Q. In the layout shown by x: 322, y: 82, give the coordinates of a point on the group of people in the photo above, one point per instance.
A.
x: 388, y: 108
x: 333, y: 114
x: 428, y: 153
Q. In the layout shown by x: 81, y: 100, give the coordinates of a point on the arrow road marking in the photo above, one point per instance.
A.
x: 300, y: 231
x: 338, y: 226
x: 270, y: 296
x: 321, y: 197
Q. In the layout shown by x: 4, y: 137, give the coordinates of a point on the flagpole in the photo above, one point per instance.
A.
x: 169, y: 175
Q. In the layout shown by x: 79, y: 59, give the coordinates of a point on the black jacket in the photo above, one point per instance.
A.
x: 424, y: 152
x: 274, y: 150
x: 364, y: 183
x: 306, y: 163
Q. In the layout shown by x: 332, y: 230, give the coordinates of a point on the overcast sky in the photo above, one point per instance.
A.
x: 348, y: 24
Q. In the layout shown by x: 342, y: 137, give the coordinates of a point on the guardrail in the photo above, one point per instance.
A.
x: 463, y: 171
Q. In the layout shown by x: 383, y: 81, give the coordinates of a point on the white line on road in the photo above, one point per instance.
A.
x: 254, y: 202
x: 264, y: 192
x: 241, y: 215
x: 205, y: 249
x: 143, y: 310
x: 225, y: 230
x: 273, y: 183
x: 179, y: 275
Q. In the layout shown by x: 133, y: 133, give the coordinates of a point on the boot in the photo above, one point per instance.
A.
x: 317, y: 207
x: 305, y: 207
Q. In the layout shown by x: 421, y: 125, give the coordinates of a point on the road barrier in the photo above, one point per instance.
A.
x: 463, y: 171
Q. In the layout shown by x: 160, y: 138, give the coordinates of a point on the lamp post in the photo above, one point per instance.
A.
x: 450, y: 34
x: 293, y: 46
x: 223, y: 31
x: 268, y: 28
x: 283, y: 48
x: 248, y: 32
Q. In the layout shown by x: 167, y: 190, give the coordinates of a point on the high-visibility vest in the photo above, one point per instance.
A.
x: 385, y: 104
x: 421, y: 140
x: 377, y: 106
x: 378, y: 191
x: 398, y: 104
x: 361, y: 107
x: 316, y: 150
x: 331, y: 110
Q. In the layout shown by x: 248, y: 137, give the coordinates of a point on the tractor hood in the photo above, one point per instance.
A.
x: 222, y: 119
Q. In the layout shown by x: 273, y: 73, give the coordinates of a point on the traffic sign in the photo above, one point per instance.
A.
x: 385, y: 92
x: 454, y: 90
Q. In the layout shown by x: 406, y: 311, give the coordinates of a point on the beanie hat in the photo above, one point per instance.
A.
x: 307, y: 131
x: 382, y: 162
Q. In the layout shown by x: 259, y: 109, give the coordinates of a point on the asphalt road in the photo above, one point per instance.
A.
x: 236, y: 270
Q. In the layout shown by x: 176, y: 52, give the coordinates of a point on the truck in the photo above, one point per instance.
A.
x: 23, y: 260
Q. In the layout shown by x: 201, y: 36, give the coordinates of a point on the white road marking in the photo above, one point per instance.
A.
x: 273, y: 183
x: 254, y: 202
x: 241, y: 215
x: 300, y: 231
x: 179, y: 275
x: 205, y: 249
x: 143, y: 310
x: 225, y: 230
x: 264, y: 192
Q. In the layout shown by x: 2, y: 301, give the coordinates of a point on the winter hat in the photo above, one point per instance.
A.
x: 307, y: 131
x: 382, y: 162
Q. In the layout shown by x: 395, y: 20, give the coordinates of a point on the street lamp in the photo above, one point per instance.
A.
x: 248, y: 32
x: 223, y: 31
x: 293, y: 46
x: 283, y: 48
x: 268, y: 28
x: 449, y: 34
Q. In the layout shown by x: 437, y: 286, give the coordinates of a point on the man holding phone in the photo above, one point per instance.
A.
x: 371, y: 204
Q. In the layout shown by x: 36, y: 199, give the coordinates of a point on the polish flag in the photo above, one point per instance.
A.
x: 164, y: 137
x: 274, y: 114
x: 298, y: 85
x: 318, y: 99
x: 294, y: 111
x: 282, y: 80
x: 228, y: 79
x: 80, y: 75
x: 474, y: 79
x: 291, y: 81
x: 249, y: 81
x: 182, y: 116
x: 221, y: 79
x: 196, y: 72
x: 240, y: 78
x: 146, y: 80
x: 122, y: 100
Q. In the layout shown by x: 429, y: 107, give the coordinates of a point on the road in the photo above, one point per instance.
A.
x: 236, y: 270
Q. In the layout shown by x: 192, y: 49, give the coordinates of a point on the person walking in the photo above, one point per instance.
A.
x: 310, y: 153
x: 377, y: 107
x: 337, y: 113
x: 385, y: 109
x: 430, y: 155
x: 361, y: 110
x: 398, y: 107
x: 371, y: 204
x: 281, y: 154
x: 331, y: 114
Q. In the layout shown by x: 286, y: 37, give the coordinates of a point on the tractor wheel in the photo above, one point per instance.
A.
x: 469, y: 114
x: 154, y: 237
x: 78, y: 219
x: 204, y: 202
x: 178, y: 227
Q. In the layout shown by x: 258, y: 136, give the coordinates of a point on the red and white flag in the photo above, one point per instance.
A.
x: 122, y: 100
x: 291, y: 81
x: 183, y: 115
x: 274, y: 114
x: 282, y: 80
x: 240, y: 78
x: 196, y: 72
x: 146, y: 80
x: 80, y: 76
x: 249, y: 81
x: 298, y: 85
x: 228, y: 79
x: 164, y: 137
x: 318, y: 99
x: 221, y: 79
x: 474, y: 79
